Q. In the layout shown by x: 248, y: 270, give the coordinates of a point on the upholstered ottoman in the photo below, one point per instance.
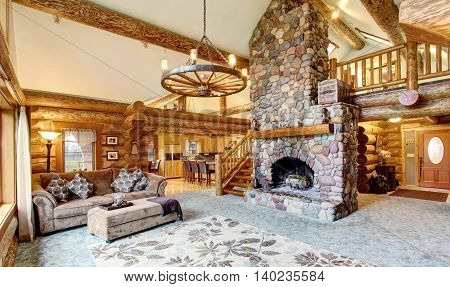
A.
x: 113, y: 224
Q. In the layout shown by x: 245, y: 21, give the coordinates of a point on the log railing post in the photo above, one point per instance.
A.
x: 412, y: 77
x: 333, y: 68
x: 218, y: 175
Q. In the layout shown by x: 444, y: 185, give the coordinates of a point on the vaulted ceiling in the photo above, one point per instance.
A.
x: 77, y: 59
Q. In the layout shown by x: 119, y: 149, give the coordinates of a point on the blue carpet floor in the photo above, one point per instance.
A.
x: 385, y: 231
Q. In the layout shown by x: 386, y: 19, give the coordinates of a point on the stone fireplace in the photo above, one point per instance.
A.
x: 288, y: 59
x: 287, y: 166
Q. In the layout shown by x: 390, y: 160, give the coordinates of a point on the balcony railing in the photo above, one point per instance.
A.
x: 396, y: 66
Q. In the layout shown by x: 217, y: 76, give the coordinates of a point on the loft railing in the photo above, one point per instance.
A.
x: 393, y: 67
x: 228, y: 164
x: 433, y: 63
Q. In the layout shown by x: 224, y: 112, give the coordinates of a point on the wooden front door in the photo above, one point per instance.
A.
x: 434, y: 159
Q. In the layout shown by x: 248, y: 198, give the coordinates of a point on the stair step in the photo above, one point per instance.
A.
x: 244, y: 177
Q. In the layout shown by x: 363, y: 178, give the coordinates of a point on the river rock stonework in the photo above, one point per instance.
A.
x: 288, y: 57
x: 332, y: 157
x: 287, y: 60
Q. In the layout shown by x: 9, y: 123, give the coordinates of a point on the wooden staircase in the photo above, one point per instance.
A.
x: 234, y: 169
x: 241, y: 180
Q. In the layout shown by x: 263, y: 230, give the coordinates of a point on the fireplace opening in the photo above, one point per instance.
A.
x: 292, y: 172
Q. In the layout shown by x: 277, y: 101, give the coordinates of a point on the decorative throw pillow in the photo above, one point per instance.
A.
x: 80, y: 186
x: 142, y: 181
x: 124, y: 182
x: 58, y: 188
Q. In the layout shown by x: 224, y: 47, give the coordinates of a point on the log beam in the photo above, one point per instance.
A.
x: 432, y: 120
x: 65, y: 101
x: 339, y: 26
x: 428, y: 91
x: 236, y: 110
x: 14, y: 95
x: 88, y: 13
x: 385, y: 14
x: 293, y: 132
x: 437, y: 107
x: 162, y: 101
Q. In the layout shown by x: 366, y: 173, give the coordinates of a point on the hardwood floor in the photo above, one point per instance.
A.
x: 178, y: 185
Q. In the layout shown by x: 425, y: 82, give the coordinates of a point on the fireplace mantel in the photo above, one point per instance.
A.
x: 294, y: 132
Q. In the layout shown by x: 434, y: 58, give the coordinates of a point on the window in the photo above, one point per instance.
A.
x: 190, y: 148
x: 79, y: 149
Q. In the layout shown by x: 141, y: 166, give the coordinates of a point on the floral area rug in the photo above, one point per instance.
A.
x: 213, y: 241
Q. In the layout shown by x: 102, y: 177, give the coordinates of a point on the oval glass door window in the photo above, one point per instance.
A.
x: 436, y: 150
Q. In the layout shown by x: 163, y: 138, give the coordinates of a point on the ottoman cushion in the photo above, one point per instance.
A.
x: 141, y: 209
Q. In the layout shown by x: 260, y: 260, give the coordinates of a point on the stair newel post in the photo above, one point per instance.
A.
x: 218, y: 179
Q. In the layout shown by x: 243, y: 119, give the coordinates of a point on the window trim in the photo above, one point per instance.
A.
x: 59, y: 142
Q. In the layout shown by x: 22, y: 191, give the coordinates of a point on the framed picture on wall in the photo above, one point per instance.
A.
x: 112, y: 155
x: 112, y: 140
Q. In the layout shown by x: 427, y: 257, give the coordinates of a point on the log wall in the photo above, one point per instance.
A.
x: 369, y: 139
x: 43, y: 118
x: 388, y: 137
x: 392, y: 141
x: 134, y: 125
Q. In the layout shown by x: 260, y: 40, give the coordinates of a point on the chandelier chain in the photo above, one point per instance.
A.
x: 204, y: 17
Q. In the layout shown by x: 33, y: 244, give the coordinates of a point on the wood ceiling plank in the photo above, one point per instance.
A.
x: 428, y: 16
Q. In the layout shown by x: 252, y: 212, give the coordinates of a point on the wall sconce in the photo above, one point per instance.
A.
x: 49, y: 136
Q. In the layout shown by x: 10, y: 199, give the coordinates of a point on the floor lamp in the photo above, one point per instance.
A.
x: 49, y: 136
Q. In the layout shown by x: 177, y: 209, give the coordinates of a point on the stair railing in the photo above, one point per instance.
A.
x: 227, y: 164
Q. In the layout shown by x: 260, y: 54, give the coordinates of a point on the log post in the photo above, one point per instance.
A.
x: 411, y: 96
x: 333, y: 68
x: 218, y: 175
x: 223, y: 106
x: 412, y: 77
x: 182, y: 104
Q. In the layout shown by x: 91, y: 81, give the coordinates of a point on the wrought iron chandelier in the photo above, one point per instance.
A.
x: 205, y: 80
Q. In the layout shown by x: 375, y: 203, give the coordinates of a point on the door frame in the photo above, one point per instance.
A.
x: 417, y: 127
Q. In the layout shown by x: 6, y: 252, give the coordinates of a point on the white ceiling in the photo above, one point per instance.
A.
x: 76, y: 59
x: 230, y: 23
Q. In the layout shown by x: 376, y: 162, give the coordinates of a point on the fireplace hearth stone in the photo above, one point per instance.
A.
x: 306, y: 204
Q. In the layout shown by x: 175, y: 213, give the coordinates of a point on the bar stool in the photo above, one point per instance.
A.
x: 187, y: 171
x: 203, y: 168
x: 194, y: 171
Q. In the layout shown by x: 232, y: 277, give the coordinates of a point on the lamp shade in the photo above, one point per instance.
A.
x: 49, y: 135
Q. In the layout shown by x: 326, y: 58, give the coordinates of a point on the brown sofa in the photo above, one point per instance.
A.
x: 53, y: 215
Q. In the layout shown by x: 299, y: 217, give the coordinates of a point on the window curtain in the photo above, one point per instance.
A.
x: 24, y: 200
x: 84, y: 137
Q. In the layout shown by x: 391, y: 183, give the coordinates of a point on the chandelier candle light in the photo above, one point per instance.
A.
x: 205, y: 80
